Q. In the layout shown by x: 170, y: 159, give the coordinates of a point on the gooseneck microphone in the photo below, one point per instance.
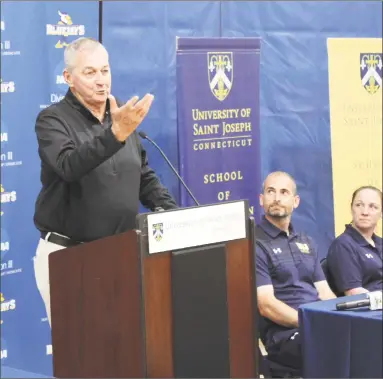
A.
x: 145, y: 136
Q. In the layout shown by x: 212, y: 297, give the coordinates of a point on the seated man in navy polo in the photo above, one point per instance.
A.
x: 355, y: 257
x: 288, y: 271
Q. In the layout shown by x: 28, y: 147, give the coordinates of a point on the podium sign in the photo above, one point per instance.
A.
x: 189, y: 227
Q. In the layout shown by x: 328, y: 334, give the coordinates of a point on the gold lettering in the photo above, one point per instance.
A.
x: 239, y: 127
x: 223, y: 195
x: 225, y: 144
x: 201, y: 130
x: 218, y: 114
x: 219, y: 177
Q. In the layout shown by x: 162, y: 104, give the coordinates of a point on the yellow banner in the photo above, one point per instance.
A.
x: 355, y: 83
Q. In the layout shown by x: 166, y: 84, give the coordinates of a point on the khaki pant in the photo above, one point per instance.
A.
x: 41, y: 267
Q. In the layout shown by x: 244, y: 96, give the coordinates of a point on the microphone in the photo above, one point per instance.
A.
x: 145, y: 136
x: 373, y: 301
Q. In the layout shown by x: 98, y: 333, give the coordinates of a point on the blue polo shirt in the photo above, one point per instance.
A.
x: 353, y: 262
x: 290, y: 264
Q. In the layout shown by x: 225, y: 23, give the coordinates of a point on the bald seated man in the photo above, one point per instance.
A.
x: 288, y: 271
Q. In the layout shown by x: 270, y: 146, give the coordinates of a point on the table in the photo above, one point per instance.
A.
x: 341, y: 344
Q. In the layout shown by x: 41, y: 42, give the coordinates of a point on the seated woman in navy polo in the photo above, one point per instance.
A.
x: 355, y: 257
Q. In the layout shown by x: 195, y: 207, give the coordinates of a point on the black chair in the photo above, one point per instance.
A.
x: 271, y: 369
x: 267, y: 367
x: 329, y: 278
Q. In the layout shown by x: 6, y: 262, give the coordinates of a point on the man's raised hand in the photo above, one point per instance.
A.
x: 128, y: 117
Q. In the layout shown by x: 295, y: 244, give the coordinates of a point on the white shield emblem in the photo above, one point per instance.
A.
x: 220, y: 72
x: 158, y: 231
x: 371, y: 71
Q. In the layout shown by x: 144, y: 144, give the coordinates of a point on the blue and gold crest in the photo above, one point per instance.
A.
x: 220, y: 72
x: 371, y: 71
x: 158, y: 231
x: 303, y: 247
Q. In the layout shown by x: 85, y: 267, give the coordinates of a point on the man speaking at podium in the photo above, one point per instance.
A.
x: 94, y: 170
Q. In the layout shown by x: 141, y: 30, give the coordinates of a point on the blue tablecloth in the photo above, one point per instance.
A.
x: 341, y: 344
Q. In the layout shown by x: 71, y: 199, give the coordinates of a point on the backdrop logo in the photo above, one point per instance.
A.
x: 64, y: 28
x: 6, y: 155
x: 7, y: 197
x: 4, y: 246
x: 4, y: 347
x: 56, y: 97
x: 4, y: 134
x: 6, y: 265
x: 158, y: 231
x: 6, y: 48
x: 7, y: 160
x: 220, y: 73
x: 371, y: 71
x: 60, y: 79
x: 48, y: 350
x: 4, y: 137
x: 7, y: 268
x: 58, y: 76
x: 7, y: 87
x: 7, y: 305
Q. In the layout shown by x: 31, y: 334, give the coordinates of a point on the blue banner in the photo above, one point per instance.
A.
x: 33, y: 38
x: 218, y: 119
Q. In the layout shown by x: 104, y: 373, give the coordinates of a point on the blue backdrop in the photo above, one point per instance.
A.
x: 140, y: 37
x: 31, y: 68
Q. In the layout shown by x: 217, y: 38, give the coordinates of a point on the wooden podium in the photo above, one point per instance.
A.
x: 174, y: 298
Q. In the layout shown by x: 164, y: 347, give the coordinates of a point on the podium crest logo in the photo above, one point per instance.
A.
x: 158, y: 231
x: 371, y: 71
x: 220, y: 74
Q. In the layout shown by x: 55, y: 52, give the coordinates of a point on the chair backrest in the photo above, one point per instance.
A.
x: 329, y: 277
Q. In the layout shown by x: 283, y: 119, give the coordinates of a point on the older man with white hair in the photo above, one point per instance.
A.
x: 94, y: 170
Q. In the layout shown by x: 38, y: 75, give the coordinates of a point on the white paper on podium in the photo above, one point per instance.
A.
x: 189, y: 227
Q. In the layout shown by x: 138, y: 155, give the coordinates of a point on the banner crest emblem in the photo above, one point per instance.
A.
x: 220, y: 74
x: 371, y: 71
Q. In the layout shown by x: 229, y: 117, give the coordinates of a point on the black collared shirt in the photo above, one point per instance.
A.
x: 354, y: 263
x: 91, y: 183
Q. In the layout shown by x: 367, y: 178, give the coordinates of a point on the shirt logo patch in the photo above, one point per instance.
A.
x: 368, y: 255
x: 303, y: 247
x: 277, y: 250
